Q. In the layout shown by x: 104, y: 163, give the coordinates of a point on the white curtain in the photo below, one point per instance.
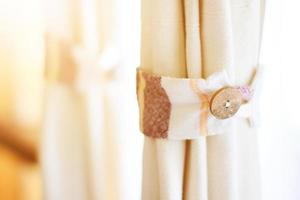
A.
x: 87, y: 141
x: 195, y: 38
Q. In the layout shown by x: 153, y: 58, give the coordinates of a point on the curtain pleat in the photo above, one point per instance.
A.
x: 195, y: 38
x: 85, y: 150
x: 162, y: 52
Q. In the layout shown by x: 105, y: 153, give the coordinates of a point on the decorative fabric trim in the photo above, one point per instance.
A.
x: 157, y: 107
x: 181, y: 108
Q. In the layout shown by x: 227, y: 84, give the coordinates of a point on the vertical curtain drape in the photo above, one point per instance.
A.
x: 195, y: 38
x: 85, y: 150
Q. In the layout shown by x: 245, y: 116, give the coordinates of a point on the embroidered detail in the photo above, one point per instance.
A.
x: 157, y: 108
x: 246, y: 92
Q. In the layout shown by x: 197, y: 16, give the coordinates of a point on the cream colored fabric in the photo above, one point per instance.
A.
x: 85, y: 151
x: 186, y: 119
x: 195, y: 38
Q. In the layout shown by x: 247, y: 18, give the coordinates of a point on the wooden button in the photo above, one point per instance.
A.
x: 226, y: 102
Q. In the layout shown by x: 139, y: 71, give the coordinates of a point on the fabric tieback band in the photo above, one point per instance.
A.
x: 182, y: 108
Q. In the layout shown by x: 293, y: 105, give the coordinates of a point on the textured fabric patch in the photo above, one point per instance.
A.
x: 157, y: 108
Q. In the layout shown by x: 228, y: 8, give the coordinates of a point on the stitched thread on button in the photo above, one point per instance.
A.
x: 226, y: 102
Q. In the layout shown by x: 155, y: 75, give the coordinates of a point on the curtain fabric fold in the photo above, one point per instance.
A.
x: 195, y: 38
x: 85, y: 151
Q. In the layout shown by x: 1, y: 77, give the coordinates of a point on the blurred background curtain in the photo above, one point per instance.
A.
x: 21, y: 77
x: 68, y: 122
x: 193, y: 38
x: 91, y: 55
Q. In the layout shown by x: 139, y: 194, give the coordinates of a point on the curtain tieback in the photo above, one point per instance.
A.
x: 77, y: 66
x: 91, y: 70
x: 187, y: 108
